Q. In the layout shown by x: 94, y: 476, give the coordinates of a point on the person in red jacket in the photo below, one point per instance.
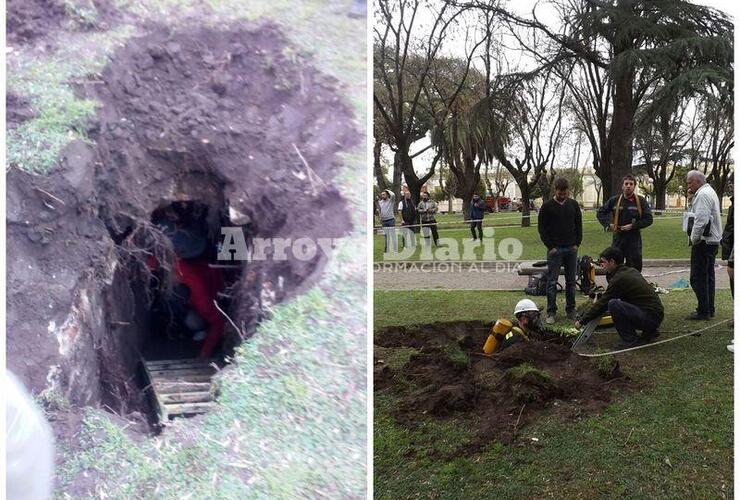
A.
x: 189, y: 236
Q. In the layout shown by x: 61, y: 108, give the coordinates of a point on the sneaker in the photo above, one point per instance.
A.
x: 650, y: 336
x: 572, y: 315
x: 731, y: 348
x: 695, y: 316
x: 550, y: 319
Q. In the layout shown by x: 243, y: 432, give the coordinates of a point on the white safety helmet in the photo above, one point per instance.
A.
x: 525, y: 305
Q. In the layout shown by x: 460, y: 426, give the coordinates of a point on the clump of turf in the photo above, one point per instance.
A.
x: 608, y: 367
x: 455, y: 354
x: 530, y: 384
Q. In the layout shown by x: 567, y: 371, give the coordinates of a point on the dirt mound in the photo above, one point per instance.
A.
x: 17, y: 110
x: 444, y: 375
x: 30, y: 19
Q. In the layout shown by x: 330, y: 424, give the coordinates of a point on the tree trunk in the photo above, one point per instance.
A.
x: 620, y: 136
x: 379, y: 176
x: 660, y: 193
x: 524, y: 187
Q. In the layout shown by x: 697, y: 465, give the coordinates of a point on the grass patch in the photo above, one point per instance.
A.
x: 455, y: 355
x: 396, y: 358
x: 672, y: 438
x: 60, y: 115
x: 518, y: 243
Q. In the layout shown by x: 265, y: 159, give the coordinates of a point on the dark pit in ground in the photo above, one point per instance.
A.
x: 437, y: 371
x: 232, y: 118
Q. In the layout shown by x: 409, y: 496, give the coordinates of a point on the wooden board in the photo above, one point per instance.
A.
x: 180, y: 387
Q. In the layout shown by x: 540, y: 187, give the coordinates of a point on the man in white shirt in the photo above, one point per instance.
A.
x: 705, y: 232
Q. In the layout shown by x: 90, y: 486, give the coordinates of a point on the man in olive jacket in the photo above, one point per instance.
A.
x: 631, y: 301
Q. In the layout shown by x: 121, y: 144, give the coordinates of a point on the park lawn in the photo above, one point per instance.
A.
x: 672, y: 437
x: 663, y: 240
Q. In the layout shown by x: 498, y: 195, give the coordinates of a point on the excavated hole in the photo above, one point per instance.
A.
x: 231, y: 118
x: 435, y: 371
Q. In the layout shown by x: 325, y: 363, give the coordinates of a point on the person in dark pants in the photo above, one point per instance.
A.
x: 704, y: 227
x: 728, y: 251
x: 625, y: 215
x: 561, y: 230
x: 631, y: 301
x: 427, y: 208
x: 477, y: 212
x: 410, y: 220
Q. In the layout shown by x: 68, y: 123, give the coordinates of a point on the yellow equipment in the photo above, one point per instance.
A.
x: 605, y: 321
x: 502, y: 329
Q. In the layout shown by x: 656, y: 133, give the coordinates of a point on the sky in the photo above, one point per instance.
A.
x: 455, y: 46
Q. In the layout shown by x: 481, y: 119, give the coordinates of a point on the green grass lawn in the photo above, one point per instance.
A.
x: 672, y: 437
x: 663, y: 240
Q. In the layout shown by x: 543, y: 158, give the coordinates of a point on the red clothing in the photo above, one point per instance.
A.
x: 204, y: 283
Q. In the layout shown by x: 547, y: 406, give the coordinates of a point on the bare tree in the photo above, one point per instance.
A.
x: 404, y: 53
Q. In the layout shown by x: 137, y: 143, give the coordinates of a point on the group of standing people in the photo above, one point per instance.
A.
x: 411, y: 215
x: 629, y: 299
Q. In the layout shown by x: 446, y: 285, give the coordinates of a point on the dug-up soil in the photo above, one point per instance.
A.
x: 437, y: 371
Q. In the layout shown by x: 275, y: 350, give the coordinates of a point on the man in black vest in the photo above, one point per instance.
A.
x: 625, y: 215
x: 410, y: 220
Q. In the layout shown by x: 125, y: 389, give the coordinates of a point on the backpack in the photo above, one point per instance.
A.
x: 537, y: 285
x: 586, y: 275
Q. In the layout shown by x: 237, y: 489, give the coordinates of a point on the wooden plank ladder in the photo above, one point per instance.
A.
x: 180, y: 387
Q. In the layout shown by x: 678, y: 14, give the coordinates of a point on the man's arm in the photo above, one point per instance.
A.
x: 542, y: 227
x: 602, y: 305
x: 604, y: 213
x: 647, y: 215
x: 434, y: 207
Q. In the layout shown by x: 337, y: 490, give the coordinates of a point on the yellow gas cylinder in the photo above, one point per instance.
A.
x: 499, y: 329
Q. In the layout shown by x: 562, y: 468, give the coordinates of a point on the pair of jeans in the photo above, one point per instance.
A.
x: 630, y: 245
x: 431, y: 227
x: 628, y: 318
x: 389, y: 231
x: 409, y: 237
x: 702, y: 276
x: 568, y: 258
x: 477, y: 224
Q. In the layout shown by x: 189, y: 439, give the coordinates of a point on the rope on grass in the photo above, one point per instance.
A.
x: 610, y: 353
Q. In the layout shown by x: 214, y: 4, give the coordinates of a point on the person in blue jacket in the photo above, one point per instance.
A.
x: 477, y: 211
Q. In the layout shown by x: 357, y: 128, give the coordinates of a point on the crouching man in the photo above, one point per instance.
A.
x: 631, y: 301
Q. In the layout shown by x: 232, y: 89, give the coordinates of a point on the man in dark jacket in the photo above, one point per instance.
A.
x: 561, y: 230
x: 410, y: 220
x: 625, y: 215
x: 477, y: 212
x: 631, y: 301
